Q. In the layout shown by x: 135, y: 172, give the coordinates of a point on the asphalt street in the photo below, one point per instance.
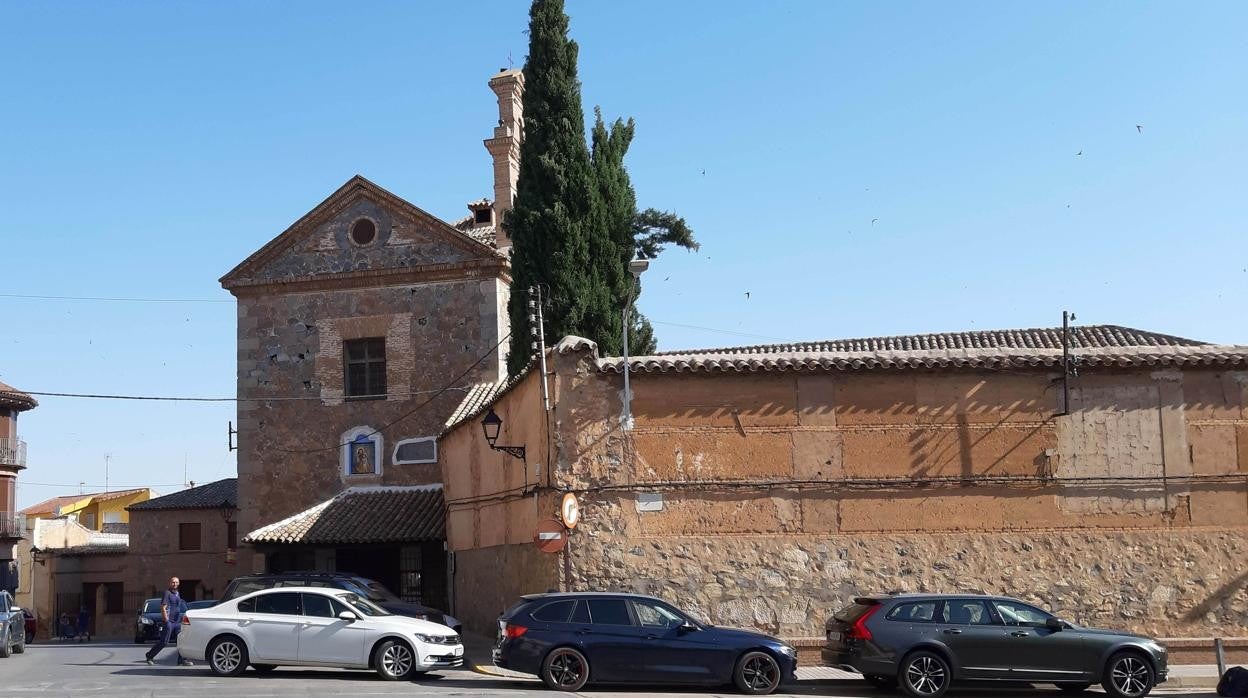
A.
x: 115, y: 669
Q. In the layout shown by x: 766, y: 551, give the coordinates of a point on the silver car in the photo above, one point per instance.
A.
x: 12, y: 626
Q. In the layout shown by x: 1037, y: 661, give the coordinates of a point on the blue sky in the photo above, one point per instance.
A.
x: 148, y: 147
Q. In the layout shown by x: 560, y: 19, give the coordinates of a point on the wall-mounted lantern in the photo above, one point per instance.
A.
x: 492, y: 425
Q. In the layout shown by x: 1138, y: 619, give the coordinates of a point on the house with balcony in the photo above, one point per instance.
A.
x: 12, y: 460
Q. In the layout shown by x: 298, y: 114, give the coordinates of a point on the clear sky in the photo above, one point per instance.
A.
x: 857, y: 168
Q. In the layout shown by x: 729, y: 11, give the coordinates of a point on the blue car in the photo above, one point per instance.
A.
x: 570, y: 639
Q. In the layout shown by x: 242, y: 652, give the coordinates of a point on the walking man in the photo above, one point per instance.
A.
x: 171, y: 609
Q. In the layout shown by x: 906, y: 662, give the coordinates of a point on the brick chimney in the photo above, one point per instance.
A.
x: 504, y: 147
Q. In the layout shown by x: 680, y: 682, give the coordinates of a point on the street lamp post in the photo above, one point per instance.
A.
x: 635, y: 267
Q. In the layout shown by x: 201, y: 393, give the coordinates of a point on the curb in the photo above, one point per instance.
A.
x: 487, y: 670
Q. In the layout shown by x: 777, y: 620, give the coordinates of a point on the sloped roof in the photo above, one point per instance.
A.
x: 1081, y: 336
x: 214, y: 495
x: 480, y: 397
x: 12, y: 397
x: 1092, y: 346
x: 54, y: 505
x: 361, y: 516
x: 289, y: 237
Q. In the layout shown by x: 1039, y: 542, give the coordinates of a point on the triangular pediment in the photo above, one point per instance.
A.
x: 320, y: 244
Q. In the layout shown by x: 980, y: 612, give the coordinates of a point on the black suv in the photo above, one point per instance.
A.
x: 361, y: 586
x: 923, y: 642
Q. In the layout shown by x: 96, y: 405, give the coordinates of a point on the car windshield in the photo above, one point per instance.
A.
x: 152, y: 606
x: 376, y: 591
x: 362, y: 605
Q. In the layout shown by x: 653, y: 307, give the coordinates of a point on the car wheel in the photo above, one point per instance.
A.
x: 5, y: 649
x: 1073, y: 687
x: 20, y: 647
x: 264, y: 668
x: 924, y: 675
x: 227, y: 656
x: 1128, y: 675
x: 565, y: 669
x: 757, y: 674
x: 884, y: 683
x: 394, y: 660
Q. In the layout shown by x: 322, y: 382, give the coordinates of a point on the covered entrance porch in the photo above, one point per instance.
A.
x: 392, y: 535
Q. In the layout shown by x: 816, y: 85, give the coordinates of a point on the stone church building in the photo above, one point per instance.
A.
x: 352, y: 325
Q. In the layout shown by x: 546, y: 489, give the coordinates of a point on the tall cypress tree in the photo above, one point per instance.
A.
x: 627, y: 233
x: 613, y: 242
x: 556, y: 202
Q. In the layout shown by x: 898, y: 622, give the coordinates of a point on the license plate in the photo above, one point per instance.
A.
x: 459, y: 651
x: 834, y: 636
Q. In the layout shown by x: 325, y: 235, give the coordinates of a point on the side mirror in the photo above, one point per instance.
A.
x: 15, y: 609
x: 348, y: 616
x: 686, y: 627
x: 1054, y: 624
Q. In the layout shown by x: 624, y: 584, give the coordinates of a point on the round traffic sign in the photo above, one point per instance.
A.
x: 550, y: 536
x: 570, y: 510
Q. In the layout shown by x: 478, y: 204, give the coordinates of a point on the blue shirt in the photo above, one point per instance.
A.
x: 172, y: 600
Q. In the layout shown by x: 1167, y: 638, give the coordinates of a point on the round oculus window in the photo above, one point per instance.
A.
x: 363, y: 231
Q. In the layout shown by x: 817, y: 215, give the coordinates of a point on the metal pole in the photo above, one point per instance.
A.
x: 1065, y: 362
x: 541, y: 348
x: 1217, y: 650
x: 626, y: 420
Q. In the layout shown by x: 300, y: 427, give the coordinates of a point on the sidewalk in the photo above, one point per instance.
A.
x: 477, y: 653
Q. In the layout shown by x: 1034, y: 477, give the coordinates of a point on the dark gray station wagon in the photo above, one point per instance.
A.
x: 924, y: 642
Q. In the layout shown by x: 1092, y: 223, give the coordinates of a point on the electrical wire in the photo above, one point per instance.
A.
x: 410, y: 412
x: 222, y: 399
x: 118, y: 300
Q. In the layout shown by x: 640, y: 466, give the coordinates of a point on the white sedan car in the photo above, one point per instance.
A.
x: 315, y: 626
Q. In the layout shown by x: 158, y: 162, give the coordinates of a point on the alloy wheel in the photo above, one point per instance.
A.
x: 226, y: 657
x: 566, y: 669
x: 760, y: 672
x: 926, y: 676
x: 396, y: 660
x: 1130, y: 675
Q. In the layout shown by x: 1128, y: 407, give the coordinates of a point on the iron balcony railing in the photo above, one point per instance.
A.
x: 12, y: 525
x: 12, y: 452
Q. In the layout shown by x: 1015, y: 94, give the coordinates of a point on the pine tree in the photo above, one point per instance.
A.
x: 556, y: 202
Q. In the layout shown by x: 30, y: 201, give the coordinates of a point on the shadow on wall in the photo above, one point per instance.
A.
x: 1225, y: 592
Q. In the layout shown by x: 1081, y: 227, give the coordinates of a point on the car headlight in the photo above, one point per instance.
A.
x: 146, y: 621
x: 791, y: 651
x: 431, y: 639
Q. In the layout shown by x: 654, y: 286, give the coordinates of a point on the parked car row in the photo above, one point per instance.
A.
x: 920, y: 644
x: 12, y: 626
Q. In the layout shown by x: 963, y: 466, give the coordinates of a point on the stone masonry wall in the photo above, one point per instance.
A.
x: 290, y: 346
x: 1165, y: 583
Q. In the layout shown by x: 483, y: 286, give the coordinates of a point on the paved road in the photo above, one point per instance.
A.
x: 106, y: 670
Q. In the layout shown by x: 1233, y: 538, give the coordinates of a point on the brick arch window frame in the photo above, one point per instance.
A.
x: 356, y: 435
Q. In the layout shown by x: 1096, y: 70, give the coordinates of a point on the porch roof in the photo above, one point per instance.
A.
x: 363, y: 515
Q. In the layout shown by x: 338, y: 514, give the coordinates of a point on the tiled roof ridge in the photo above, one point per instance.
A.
x: 277, y: 525
x: 39, y: 507
x: 1082, y: 336
x: 366, y: 489
x: 986, y: 358
x: 210, y: 495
